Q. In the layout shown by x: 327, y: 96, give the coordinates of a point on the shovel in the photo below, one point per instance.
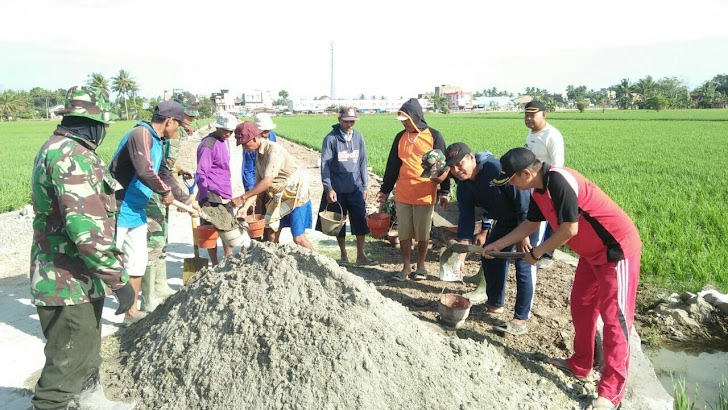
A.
x: 192, y: 265
x: 450, y: 257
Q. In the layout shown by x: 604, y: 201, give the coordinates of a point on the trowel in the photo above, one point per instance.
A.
x: 450, y: 257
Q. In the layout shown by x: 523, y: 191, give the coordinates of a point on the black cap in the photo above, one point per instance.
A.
x: 171, y: 109
x: 514, y: 161
x: 535, y: 106
x: 455, y: 153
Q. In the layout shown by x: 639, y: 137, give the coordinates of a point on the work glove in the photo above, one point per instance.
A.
x: 125, y: 296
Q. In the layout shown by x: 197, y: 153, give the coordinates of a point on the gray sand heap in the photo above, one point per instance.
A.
x: 220, y: 218
x: 280, y: 327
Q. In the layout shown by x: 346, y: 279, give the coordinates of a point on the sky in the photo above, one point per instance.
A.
x: 380, y: 48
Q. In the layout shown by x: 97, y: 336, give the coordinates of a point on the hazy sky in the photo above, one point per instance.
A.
x: 390, y: 48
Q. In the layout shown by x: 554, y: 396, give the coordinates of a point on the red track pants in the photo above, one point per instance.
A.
x: 608, y: 290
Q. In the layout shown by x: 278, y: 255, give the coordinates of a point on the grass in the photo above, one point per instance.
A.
x: 666, y: 169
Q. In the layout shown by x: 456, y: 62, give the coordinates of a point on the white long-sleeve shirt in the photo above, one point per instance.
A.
x: 547, y: 145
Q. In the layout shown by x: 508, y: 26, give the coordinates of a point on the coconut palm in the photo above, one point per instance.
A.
x: 97, y: 80
x: 11, y: 103
x: 122, y: 84
x: 645, y: 86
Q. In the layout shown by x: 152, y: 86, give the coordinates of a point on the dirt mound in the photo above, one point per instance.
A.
x: 282, y: 327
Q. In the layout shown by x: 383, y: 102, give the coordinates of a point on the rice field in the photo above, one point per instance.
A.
x: 668, y: 170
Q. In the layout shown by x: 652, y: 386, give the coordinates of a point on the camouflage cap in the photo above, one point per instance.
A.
x: 90, y: 102
x: 190, y: 103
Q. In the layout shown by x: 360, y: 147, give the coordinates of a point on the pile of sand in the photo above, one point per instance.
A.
x: 282, y: 327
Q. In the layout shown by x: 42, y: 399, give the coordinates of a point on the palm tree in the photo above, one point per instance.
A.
x: 645, y: 86
x: 624, y: 94
x: 11, y: 103
x: 123, y: 84
x: 97, y: 80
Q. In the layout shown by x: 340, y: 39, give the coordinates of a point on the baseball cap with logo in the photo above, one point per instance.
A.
x: 171, y: 109
x: 455, y: 153
x: 347, y: 114
x: 512, y: 162
x: 90, y: 102
x: 189, y: 102
x: 535, y: 106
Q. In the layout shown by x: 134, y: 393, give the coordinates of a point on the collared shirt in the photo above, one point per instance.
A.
x: 273, y: 160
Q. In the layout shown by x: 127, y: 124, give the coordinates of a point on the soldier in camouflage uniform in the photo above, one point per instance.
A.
x: 154, y: 282
x: 74, y: 264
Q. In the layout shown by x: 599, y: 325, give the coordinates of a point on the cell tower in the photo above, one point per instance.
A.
x: 331, y: 90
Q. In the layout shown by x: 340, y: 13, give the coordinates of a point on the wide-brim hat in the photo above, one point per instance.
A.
x: 264, y: 121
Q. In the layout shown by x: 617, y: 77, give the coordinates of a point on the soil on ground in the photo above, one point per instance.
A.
x: 550, y: 332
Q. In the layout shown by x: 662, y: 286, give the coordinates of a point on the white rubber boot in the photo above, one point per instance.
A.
x: 161, y: 287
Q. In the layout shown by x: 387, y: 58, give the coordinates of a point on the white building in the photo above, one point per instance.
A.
x: 494, y: 103
x: 366, y: 105
x: 257, y: 99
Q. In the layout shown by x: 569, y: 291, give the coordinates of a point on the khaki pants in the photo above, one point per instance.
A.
x: 414, y: 221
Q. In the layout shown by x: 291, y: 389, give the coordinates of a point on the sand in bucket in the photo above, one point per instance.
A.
x: 332, y: 222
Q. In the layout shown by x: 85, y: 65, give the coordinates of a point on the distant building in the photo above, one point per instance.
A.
x: 224, y: 102
x: 252, y: 100
x: 52, y: 111
x: 367, y: 105
x: 494, y: 103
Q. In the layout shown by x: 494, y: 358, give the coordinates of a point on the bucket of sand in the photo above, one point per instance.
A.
x: 332, y: 222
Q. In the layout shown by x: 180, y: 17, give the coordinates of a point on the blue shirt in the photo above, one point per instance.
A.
x: 249, y: 165
x: 506, y: 204
x: 133, y: 210
x: 344, y: 163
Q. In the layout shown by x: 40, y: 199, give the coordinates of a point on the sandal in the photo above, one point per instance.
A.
x: 602, y: 406
x: 561, y: 365
x: 343, y: 263
x: 399, y: 277
x: 495, y: 310
x: 419, y: 274
x: 513, y: 328
x: 367, y: 262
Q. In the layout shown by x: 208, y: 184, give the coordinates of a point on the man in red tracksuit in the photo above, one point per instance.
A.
x: 606, y: 278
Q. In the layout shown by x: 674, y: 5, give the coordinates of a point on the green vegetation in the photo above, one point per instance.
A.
x: 666, y: 169
x: 684, y: 402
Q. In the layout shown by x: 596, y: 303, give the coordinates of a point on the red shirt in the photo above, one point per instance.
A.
x: 606, y: 232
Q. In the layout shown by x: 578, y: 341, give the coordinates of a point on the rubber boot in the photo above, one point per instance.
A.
x: 474, y: 279
x: 478, y: 295
x: 161, y: 287
x: 148, y: 300
x: 95, y: 399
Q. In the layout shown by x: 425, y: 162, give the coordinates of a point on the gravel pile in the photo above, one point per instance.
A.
x: 279, y: 327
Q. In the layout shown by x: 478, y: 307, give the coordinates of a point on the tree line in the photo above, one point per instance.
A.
x: 645, y: 93
x: 36, y: 103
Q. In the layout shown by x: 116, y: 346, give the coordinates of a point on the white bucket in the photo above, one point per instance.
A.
x: 235, y: 237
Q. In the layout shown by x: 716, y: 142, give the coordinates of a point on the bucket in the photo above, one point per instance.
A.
x: 453, y: 309
x: 332, y: 222
x: 256, y: 223
x: 207, y: 236
x: 235, y: 237
x: 378, y: 223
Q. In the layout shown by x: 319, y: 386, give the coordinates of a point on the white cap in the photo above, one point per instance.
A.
x: 226, y: 121
x: 264, y: 122
x: 402, y: 117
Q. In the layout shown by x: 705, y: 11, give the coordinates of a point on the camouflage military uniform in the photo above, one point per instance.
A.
x: 74, y: 263
x: 158, y: 214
